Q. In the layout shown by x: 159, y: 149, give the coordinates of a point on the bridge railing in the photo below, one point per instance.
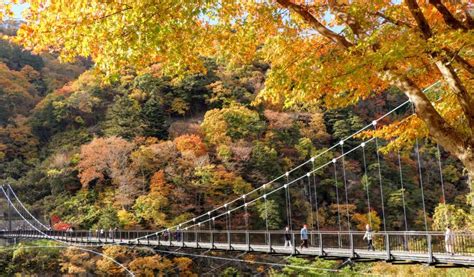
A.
x: 427, y: 243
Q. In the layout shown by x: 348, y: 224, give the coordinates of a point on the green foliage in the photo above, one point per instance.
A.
x: 154, y: 119
x: 30, y: 258
x: 318, y: 267
x: 123, y: 118
x: 231, y: 124
x: 345, y: 127
x: 265, y: 159
x: 16, y: 58
x: 305, y: 148
x: 272, y: 210
x: 79, y: 209
x: 108, y: 218
x: 230, y: 272
x: 149, y: 209
x: 447, y: 214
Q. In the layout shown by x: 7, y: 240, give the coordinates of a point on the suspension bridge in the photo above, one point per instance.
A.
x: 216, y: 230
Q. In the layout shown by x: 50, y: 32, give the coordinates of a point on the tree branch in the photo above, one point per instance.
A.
x: 419, y: 18
x: 393, y: 20
x: 460, y: 60
x: 448, y: 17
x: 323, y: 30
x: 443, y: 65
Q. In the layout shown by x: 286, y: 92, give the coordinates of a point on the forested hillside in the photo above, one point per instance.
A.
x: 148, y: 151
x: 134, y: 139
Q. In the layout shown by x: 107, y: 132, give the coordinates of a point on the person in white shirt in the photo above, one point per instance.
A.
x: 368, y: 236
x: 449, y: 240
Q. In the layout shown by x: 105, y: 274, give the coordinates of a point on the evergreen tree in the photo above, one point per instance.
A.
x: 154, y: 119
x: 123, y: 118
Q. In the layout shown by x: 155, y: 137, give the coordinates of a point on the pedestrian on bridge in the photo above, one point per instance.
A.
x: 449, y: 240
x: 368, y: 235
x: 287, y: 237
x: 304, y: 236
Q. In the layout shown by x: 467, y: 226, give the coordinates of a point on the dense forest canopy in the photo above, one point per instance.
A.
x: 140, y: 115
x: 407, y: 44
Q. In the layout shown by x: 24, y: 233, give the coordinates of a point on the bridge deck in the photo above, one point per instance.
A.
x: 423, y: 248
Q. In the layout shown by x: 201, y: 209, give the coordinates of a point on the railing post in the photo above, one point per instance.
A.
x: 351, y: 241
x: 321, y: 250
x: 196, y: 237
x: 169, y: 237
x: 229, y: 242
x: 430, y: 248
x: 247, y: 240
x: 387, y: 246
x: 212, y: 239
x: 293, y: 242
x: 181, y: 236
x: 270, y: 248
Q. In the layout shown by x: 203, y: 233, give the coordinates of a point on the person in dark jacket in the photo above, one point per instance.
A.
x: 287, y: 237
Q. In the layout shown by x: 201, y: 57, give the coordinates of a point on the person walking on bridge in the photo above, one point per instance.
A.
x: 287, y: 237
x: 449, y: 240
x: 368, y: 235
x: 304, y: 236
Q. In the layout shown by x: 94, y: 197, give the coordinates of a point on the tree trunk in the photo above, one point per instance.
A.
x: 470, y: 181
x: 456, y: 85
x: 459, y: 146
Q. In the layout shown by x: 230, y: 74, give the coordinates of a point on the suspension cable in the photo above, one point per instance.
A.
x: 288, y: 202
x: 337, y: 195
x: 253, y: 201
x: 266, y: 217
x: 310, y: 201
x: 302, y: 164
x: 420, y: 174
x: 403, y: 190
x: 379, y: 166
x: 24, y: 208
x: 441, y: 173
x: 345, y: 185
x: 366, y: 184
x: 51, y: 238
x: 417, y: 150
x: 315, y: 197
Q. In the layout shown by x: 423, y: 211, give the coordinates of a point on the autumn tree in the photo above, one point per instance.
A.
x: 222, y: 126
x: 108, y: 159
x: 356, y: 53
x: 17, y: 95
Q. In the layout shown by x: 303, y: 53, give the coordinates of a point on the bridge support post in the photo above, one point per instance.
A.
x: 247, y: 240
x: 321, y: 250
x: 430, y: 248
x: 229, y: 242
x: 196, y: 237
x: 351, y: 241
x: 212, y: 240
x: 293, y: 243
x: 270, y: 248
x: 387, y: 247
